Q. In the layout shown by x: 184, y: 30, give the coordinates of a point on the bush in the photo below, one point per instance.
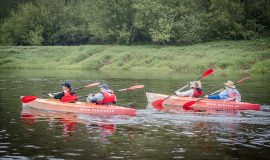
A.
x: 23, y: 27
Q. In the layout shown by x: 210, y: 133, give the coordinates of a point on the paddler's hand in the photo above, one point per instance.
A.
x: 51, y: 95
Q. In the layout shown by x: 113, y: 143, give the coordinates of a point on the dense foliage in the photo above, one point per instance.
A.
x: 69, y: 22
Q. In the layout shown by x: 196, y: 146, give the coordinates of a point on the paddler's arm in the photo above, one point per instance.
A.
x: 50, y: 94
x: 94, y: 99
x: 188, y: 93
x: 57, y: 96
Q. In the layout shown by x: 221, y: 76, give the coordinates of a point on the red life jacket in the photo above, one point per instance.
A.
x: 68, y: 97
x: 108, y: 98
x: 197, y: 93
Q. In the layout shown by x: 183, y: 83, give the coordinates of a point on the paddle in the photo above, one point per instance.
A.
x: 87, y: 86
x: 27, y: 99
x: 158, y: 103
x: 120, y: 90
x: 131, y: 88
x: 234, y: 84
x: 190, y: 103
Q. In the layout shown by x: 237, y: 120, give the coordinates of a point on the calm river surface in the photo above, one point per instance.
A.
x: 35, y: 134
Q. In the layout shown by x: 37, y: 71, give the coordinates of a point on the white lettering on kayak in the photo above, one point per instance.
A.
x: 97, y: 110
x: 223, y: 105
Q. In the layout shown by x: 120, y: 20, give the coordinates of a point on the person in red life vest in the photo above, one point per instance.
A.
x: 67, y: 95
x: 105, y: 96
x: 194, y: 91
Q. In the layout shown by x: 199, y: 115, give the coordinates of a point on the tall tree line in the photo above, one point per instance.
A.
x: 71, y: 22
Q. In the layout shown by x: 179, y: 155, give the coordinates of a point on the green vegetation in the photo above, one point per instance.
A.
x: 72, y: 22
x: 223, y: 34
x: 244, y: 55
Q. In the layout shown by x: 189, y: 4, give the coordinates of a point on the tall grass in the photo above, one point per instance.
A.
x: 224, y: 56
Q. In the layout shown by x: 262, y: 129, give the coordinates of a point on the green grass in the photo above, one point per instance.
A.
x: 225, y: 56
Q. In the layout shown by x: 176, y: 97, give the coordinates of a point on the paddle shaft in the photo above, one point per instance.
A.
x: 27, y: 99
x: 233, y: 84
x: 182, y: 88
x: 188, y: 84
x: 120, y: 90
x: 130, y: 88
x: 87, y: 86
x: 217, y: 91
x: 73, y: 89
x: 158, y: 103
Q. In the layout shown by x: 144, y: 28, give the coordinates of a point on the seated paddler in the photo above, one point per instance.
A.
x: 106, y: 96
x: 228, y: 94
x: 67, y: 95
x: 194, y: 91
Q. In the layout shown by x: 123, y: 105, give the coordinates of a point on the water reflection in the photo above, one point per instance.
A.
x: 68, y: 122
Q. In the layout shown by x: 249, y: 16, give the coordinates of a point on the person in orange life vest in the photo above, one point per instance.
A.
x: 194, y: 91
x: 105, y: 96
x: 67, y: 95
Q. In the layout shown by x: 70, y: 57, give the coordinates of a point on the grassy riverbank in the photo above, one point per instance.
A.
x: 244, y: 56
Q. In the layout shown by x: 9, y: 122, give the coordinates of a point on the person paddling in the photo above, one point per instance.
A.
x: 67, y: 94
x: 229, y: 94
x: 195, y: 90
x: 105, y: 96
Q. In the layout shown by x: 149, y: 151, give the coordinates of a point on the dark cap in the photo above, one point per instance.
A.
x: 104, y: 86
x: 67, y: 84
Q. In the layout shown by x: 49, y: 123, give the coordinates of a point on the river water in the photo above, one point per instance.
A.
x: 35, y: 134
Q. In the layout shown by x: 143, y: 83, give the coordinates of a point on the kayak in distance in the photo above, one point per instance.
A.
x: 202, y: 104
x: 78, y: 107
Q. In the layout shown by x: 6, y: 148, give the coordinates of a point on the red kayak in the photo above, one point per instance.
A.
x: 203, y: 104
x: 79, y: 107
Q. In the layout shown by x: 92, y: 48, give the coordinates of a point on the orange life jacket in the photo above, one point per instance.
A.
x: 108, y: 98
x: 197, y: 93
x: 68, y: 97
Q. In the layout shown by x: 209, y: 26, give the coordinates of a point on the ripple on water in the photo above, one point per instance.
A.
x: 7, y: 157
x: 3, y: 147
x: 72, y: 154
x: 53, y: 158
x: 178, y: 157
x: 116, y: 157
x: 248, y: 117
x: 178, y: 150
x: 32, y: 146
x: 223, y: 140
x: 4, y: 143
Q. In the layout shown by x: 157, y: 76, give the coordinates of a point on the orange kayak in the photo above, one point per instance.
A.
x: 203, y: 104
x: 79, y: 107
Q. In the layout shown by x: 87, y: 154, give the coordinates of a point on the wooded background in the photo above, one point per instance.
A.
x: 73, y: 22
